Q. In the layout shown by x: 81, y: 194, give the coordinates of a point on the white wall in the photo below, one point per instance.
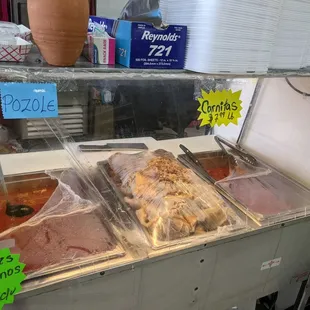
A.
x: 110, y: 8
x: 280, y: 130
x: 231, y: 132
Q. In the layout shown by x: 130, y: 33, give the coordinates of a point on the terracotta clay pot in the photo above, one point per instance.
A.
x: 59, y: 28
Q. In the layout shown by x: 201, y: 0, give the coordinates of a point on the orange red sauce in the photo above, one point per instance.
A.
x: 35, y: 199
x: 218, y: 173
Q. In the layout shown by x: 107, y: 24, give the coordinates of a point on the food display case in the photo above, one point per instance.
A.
x: 169, y: 202
x: 119, y: 217
x: 247, y: 184
x: 54, y: 223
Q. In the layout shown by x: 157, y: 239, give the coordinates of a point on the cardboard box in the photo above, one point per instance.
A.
x: 15, y: 52
x: 100, y: 50
x: 108, y: 24
x: 141, y: 45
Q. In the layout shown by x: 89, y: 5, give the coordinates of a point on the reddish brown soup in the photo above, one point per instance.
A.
x: 35, y: 199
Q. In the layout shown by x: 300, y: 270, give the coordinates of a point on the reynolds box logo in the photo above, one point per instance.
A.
x: 141, y: 45
x: 147, y: 35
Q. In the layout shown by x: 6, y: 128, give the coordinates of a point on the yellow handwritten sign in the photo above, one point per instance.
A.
x: 220, y: 107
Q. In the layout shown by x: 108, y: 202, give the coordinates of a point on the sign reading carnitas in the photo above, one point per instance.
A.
x: 219, y: 107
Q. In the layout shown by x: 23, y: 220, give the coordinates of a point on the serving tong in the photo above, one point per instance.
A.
x: 235, y: 151
x: 190, y: 155
x: 249, y: 159
x: 197, y: 163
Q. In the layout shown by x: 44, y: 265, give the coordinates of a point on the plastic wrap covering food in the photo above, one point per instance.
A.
x: 32, y: 190
x: 227, y: 165
x: 267, y: 195
x: 68, y: 231
x: 264, y: 194
x: 169, y: 200
x: 271, y: 198
x: 241, y: 164
x: 238, y: 168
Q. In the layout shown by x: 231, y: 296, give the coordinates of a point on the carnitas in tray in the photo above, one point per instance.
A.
x: 171, y: 202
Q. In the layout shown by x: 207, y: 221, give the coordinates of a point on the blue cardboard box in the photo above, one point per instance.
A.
x: 107, y: 22
x: 141, y: 45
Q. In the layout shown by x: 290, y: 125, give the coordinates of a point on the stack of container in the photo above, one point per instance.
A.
x: 292, y: 49
x: 226, y: 35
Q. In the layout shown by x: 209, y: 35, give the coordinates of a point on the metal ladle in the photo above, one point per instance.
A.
x: 13, y: 210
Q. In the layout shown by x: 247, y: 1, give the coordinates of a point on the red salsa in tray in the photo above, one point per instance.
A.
x: 219, y: 173
x: 35, y: 198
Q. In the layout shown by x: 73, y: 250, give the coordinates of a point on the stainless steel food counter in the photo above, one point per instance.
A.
x: 222, y: 274
x: 230, y: 272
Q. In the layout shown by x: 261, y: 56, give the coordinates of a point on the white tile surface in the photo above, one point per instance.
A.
x: 279, y: 130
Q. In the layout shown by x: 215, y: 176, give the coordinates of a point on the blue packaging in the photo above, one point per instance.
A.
x: 29, y: 100
x: 106, y: 22
x: 141, y: 45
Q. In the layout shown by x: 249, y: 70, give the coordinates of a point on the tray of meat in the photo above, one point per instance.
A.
x: 68, y: 232
x: 168, y: 200
x: 267, y: 198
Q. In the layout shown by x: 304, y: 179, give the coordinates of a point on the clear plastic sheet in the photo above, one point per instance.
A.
x: 241, y: 168
x: 119, y: 221
x: 170, y: 202
x: 276, y: 133
x: 269, y: 199
x: 133, y: 111
x: 259, y: 190
x: 226, y: 165
x: 68, y: 231
x: 115, y: 104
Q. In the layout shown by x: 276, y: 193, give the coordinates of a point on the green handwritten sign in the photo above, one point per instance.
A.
x: 11, y: 276
x: 219, y: 108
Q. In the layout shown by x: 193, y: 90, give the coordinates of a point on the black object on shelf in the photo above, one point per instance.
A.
x: 19, y: 13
